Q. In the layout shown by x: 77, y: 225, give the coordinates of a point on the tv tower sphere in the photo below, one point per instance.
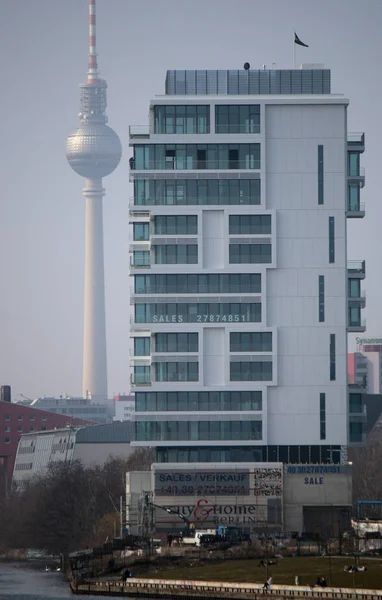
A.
x: 94, y: 151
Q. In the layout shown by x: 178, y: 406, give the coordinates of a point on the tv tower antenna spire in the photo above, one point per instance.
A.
x: 94, y: 151
x: 93, y: 67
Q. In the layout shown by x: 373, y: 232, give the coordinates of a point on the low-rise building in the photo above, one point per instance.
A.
x: 124, y: 408
x: 92, y: 445
x: 77, y: 407
x: 255, y: 497
x: 16, y: 420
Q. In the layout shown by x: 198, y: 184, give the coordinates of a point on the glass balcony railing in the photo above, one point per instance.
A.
x: 356, y: 141
x: 140, y: 262
x: 175, y: 164
x: 356, y: 207
x: 357, y: 410
x: 357, y: 438
x: 356, y: 137
x: 357, y: 176
x: 357, y: 325
x: 250, y: 127
x: 139, y: 131
x: 140, y: 379
x: 356, y: 267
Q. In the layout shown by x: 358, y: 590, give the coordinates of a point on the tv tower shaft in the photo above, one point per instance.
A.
x: 94, y: 151
x: 94, y: 376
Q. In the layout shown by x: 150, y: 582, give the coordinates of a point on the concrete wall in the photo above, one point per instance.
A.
x: 293, y: 134
x: 324, y: 487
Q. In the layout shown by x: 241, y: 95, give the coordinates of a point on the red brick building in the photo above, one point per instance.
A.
x: 16, y: 420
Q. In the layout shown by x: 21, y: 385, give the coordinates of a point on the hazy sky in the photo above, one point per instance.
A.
x: 43, y: 50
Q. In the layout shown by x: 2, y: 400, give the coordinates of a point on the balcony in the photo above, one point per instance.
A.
x: 138, y: 213
x: 140, y: 263
x: 357, y: 439
x: 140, y: 379
x: 356, y: 211
x: 358, y: 417
x: 144, y: 359
x: 356, y: 269
x: 357, y: 177
x: 139, y: 132
x: 358, y: 300
x: 191, y: 164
x: 357, y: 326
x: 356, y: 142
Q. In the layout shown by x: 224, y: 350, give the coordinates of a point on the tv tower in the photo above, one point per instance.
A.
x: 94, y: 151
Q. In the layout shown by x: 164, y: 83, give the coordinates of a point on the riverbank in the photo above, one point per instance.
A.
x: 184, y: 590
x: 250, y: 570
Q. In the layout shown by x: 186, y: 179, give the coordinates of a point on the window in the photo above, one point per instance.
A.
x: 251, y: 371
x: 19, y: 417
x: 354, y: 288
x: 198, y: 430
x: 322, y: 417
x: 177, y: 119
x: 44, y: 417
x: 141, y: 374
x: 250, y: 253
x: 321, y: 298
x: 141, y: 258
x: 142, y: 346
x: 353, y: 164
x: 288, y: 454
x: 237, y: 118
x: 354, y: 316
x: 176, y: 254
x: 356, y: 432
x: 353, y: 197
x: 196, y: 156
x: 249, y: 224
x: 31, y: 417
x: 176, y: 342
x: 232, y: 283
x: 251, y: 341
x: 196, y: 191
x: 7, y: 440
x: 177, y: 371
x: 320, y: 174
x: 43, y: 428
x: 7, y: 418
x: 198, y: 401
x: 23, y: 466
x: 31, y: 428
x: 19, y: 428
x: 331, y: 240
x: 176, y: 225
x: 332, y: 352
x: 7, y: 429
x: 230, y: 312
x: 141, y: 231
x: 355, y: 403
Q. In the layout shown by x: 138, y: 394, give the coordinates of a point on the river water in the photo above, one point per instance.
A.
x: 19, y: 581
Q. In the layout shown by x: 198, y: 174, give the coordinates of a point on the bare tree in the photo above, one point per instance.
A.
x: 68, y: 507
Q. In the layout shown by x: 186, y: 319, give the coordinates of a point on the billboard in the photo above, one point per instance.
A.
x: 248, y: 497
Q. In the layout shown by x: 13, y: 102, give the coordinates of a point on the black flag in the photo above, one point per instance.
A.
x: 298, y: 41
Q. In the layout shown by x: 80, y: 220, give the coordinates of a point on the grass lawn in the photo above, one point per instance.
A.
x: 309, y: 568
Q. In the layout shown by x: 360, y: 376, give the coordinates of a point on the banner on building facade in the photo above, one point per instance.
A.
x: 250, y: 497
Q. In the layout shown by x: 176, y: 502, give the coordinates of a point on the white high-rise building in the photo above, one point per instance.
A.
x: 242, y: 295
